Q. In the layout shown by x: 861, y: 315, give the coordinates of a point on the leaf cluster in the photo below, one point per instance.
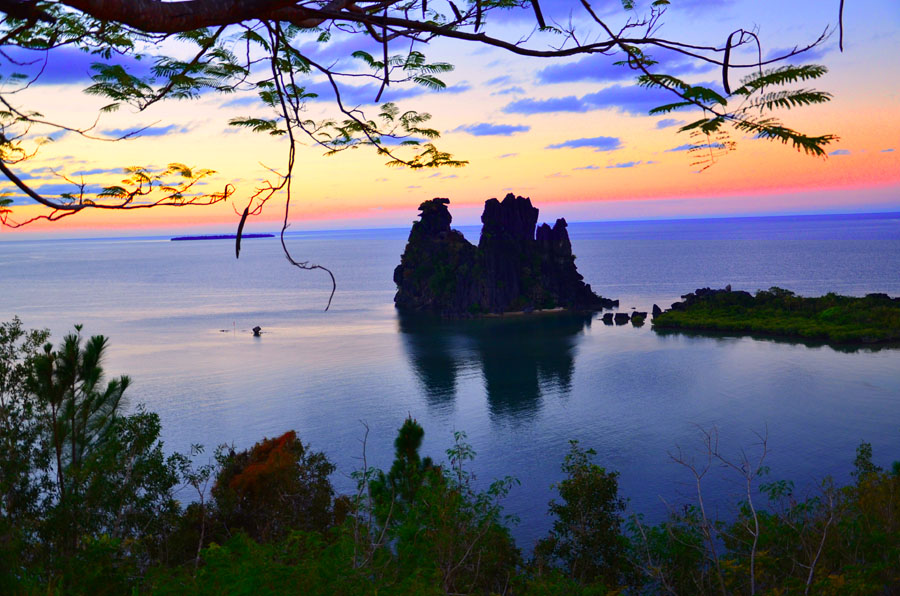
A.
x: 748, y: 109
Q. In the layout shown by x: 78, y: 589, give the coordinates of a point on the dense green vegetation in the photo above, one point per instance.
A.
x: 87, y: 506
x: 778, y: 312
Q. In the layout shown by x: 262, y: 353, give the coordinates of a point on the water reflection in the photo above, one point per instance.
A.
x: 726, y: 336
x: 521, y: 359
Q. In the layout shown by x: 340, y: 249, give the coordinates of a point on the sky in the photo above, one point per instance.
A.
x: 572, y: 134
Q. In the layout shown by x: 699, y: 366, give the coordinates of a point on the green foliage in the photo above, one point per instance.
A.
x: 834, y: 541
x: 749, y: 115
x: 816, y: 532
x: 86, y: 491
x: 863, y: 467
x: 830, y: 318
x: 275, y: 487
x: 408, y: 471
x: 441, y: 529
x: 87, y: 507
x: 69, y: 382
x: 586, y: 542
x: 22, y: 453
x: 672, y: 556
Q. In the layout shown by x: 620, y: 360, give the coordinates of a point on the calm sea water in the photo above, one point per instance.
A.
x: 178, y: 315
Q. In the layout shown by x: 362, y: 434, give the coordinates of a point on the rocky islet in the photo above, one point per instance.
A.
x: 517, y: 266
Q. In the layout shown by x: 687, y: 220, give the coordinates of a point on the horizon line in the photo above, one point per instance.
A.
x: 276, y: 232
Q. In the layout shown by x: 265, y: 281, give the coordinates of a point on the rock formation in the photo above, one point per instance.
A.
x: 510, y: 270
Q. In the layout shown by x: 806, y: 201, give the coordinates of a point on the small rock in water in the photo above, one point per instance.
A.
x: 256, y: 331
x: 608, y: 318
x: 656, y: 311
x: 621, y: 318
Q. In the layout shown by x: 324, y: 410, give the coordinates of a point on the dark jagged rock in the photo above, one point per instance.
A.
x: 436, y: 270
x: 510, y: 270
x: 621, y: 318
x: 656, y: 311
x: 608, y: 318
x: 256, y: 331
x: 638, y: 317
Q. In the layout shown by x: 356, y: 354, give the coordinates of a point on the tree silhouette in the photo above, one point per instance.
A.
x: 81, y: 411
x: 271, y: 32
x: 103, y: 473
x: 259, y: 45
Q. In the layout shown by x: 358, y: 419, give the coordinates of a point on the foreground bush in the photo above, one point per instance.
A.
x: 86, y: 494
x: 87, y: 506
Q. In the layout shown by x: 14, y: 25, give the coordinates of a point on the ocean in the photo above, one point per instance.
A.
x: 179, y: 314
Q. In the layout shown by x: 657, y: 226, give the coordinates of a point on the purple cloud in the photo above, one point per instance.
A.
x: 509, y: 91
x: 597, y: 143
x: 628, y: 100
x: 247, y: 100
x: 66, y: 187
x: 689, y: 146
x: 44, y: 173
x: 63, y: 66
x: 816, y: 53
x: 485, y: 129
x: 395, y: 142
x: 602, y: 68
x: 667, y: 122
x: 624, y: 164
x: 840, y: 152
x: 99, y: 171
x: 354, y: 95
x: 543, y: 106
x: 891, y: 150
x: 152, y: 131
x: 499, y: 80
x: 337, y: 50
x: 587, y: 168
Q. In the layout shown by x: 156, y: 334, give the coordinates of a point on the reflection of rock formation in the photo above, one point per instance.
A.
x: 511, y: 269
x: 436, y: 359
x: 521, y: 358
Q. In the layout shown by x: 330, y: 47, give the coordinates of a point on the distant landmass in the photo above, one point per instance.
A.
x: 221, y: 237
x: 778, y: 312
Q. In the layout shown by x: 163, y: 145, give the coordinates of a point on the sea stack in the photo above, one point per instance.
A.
x: 511, y: 269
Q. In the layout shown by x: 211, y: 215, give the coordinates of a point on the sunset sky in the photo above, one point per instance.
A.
x: 574, y: 135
